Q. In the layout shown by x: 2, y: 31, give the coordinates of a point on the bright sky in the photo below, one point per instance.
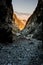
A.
x: 24, y: 6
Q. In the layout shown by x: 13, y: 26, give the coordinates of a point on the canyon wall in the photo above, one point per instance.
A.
x: 34, y: 23
x: 6, y: 13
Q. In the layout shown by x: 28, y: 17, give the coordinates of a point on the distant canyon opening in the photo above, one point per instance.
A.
x: 20, y: 18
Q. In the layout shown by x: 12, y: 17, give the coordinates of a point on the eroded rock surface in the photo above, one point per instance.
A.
x: 6, y: 12
x: 24, y: 50
x: 34, y: 23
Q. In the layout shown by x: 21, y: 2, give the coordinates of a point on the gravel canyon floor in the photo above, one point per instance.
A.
x: 22, y: 52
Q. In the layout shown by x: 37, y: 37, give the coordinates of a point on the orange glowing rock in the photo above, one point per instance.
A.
x: 19, y: 23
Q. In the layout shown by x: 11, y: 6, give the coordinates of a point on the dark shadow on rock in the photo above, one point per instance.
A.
x: 34, y: 23
x: 6, y: 13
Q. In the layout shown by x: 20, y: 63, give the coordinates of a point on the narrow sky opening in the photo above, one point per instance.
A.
x: 24, y: 6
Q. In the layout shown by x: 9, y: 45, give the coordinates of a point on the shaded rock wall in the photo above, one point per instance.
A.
x: 6, y: 12
x: 34, y: 23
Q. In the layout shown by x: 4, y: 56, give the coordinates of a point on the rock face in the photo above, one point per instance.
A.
x: 39, y: 14
x: 6, y: 12
x: 34, y: 23
x: 23, y: 50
